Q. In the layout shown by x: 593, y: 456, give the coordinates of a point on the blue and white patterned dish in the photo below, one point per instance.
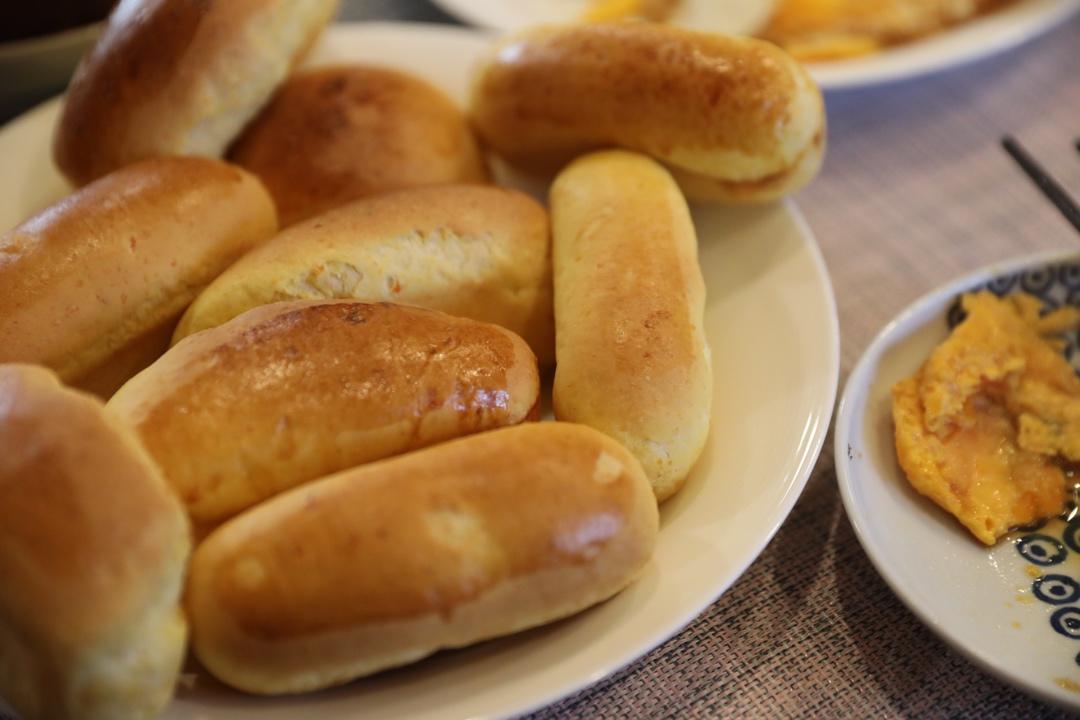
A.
x: 1013, y: 609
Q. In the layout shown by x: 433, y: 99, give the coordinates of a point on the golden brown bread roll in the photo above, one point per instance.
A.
x: 336, y: 134
x: 289, y: 392
x: 176, y: 77
x: 736, y: 119
x: 632, y: 359
x: 93, y: 547
x: 476, y: 252
x: 93, y: 286
x: 386, y: 564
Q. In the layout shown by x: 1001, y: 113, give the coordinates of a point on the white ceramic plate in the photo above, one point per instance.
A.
x: 1013, y: 609
x: 965, y: 43
x: 738, y: 17
x: 771, y: 320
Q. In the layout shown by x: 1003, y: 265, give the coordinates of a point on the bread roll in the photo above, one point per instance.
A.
x: 289, y: 392
x: 176, y: 77
x: 93, y: 286
x: 632, y: 359
x: 386, y: 564
x: 336, y: 134
x: 93, y: 547
x: 477, y: 252
x: 737, y: 119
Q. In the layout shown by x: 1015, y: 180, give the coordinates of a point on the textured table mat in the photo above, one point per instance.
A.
x: 915, y: 191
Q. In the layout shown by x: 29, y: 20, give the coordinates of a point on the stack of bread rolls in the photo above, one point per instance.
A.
x: 346, y: 423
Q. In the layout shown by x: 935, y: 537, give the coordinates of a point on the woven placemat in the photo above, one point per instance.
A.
x: 915, y: 191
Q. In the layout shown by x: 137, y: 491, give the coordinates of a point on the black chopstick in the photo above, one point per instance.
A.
x: 1050, y: 187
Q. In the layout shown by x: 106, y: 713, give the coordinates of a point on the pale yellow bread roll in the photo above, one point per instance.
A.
x: 385, y: 564
x: 336, y: 134
x: 93, y: 286
x: 177, y: 77
x: 289, y: 392
x: 632, y: 359
x: 473, y: 251
x: 737, y: 119
x: 93, y: 548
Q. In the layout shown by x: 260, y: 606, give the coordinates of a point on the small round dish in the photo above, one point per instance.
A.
x: 1013, y: 609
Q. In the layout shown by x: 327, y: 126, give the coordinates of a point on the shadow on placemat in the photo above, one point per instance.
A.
x: 809, y: 631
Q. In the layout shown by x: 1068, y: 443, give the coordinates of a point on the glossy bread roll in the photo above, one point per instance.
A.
x: 632, y: 359
x: 386, y: 564
x: 476, y: 252
x: 93, y: 547
x: 337, y: 134
x: 289, y: 392
x: 177, y: 77
x: 93, y: 286
x: 736, y: 119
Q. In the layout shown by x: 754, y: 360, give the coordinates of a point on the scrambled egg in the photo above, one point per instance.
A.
x: 832, y: 29
x: 984, y: 426
x: 655, y: 10
x: 827, y: 29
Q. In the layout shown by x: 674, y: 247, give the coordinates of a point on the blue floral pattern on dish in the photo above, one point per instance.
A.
x: 1056, y: 285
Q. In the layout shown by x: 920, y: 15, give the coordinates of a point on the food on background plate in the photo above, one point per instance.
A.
x: 480, y: 252
x: 813, y: 30
x: 986, y: 425
x: 94, y: 285
x: 383, y: 565
x: 174, y: 77
x: 735, y: 119
x: 821, y: 30
x: 93, y: 548
x: 631, y: 356
x: 654, y: 10
x: 336, y: 134
x: 289, y: 392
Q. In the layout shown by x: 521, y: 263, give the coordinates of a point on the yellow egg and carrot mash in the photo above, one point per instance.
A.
x: 987, y: 425
x: 816, y: 30
x: 831, y: 29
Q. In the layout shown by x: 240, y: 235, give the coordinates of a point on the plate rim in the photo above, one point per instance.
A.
x: 858, y: 382
x: 843, y: 75
x: 806, y: 454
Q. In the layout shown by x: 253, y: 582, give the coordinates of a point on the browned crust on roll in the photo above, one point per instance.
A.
x: 92, y: 551
x: 288, y: 392
x: 480, y: 252
x: 385, y: 564
x: 336, y: 134
x: 735, y: 110
x: 632, y: 357
x: 82, y: 280
x: 178, y: 77
x: 702, y: 188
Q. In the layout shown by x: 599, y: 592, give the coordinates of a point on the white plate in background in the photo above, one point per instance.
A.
x: 979, y: 38
x: 738, y: 17
x: 1013, y: 609
x: 771, y: 321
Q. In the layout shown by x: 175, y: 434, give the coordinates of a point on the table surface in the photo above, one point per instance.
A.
x: 915, y: 191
